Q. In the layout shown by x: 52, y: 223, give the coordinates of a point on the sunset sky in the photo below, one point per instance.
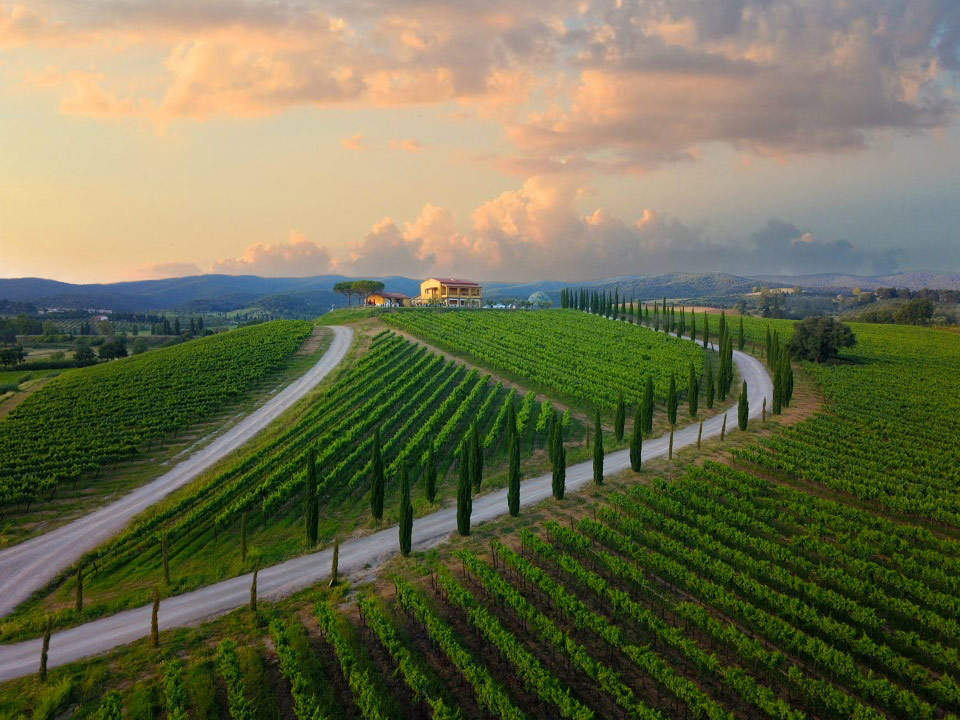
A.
x: 496, y: 139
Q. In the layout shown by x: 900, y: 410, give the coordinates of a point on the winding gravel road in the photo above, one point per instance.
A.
x: 29, y: 566
x: 280, y: 580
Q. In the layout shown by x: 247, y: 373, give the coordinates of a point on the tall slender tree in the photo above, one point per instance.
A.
x: 311, y: 512
x: 513, y: 478
x: 430, y: 474
x: 706, y: 330
x: 648, y: 405
x: 672, y: 400
x: 693, y: 326
x: 743, y: 407
x: 335, y: 562
x: 476, y: 458
x: 709, y: 391
x: 693, y: 391
x: 619, y: 418
x: 377, y: 480
x: 636, y: 440
x: 723, y: 428
x: 769, y: 346
x: 559, y: 468
x: 406, y: 512
x: 741, y: 337
x: 464, y: 490
x: 777, y: 389
x: 597, y: 450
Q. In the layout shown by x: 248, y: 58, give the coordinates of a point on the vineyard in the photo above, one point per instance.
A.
x: 415, y: 398
x: 563, y: 353
x: 892, y: 426
x: 85, y: 419
x: 721, y: 595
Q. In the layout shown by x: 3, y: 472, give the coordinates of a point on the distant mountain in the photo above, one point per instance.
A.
x: 200, y: 292
x: 838, y: 281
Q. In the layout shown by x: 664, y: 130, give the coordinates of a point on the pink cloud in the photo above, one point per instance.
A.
x: 298, y: 257
x: 406, y: 145
x: 355, y: 142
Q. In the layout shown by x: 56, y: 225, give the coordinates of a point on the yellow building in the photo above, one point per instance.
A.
x: 450, y: 292
x: 388, y: 299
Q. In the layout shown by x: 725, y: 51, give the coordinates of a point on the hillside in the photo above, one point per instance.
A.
x: 831, y: 281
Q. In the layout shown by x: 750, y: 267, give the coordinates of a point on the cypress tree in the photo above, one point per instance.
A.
x: 723, y: 323
x: 619, y: 418
x: 155, y: 620
x: 616, y: 301
x: 335, y: 562
x: 406, y: 512
x: 513, y: 479
x: 648, y: 405
x: 670, y: 451
x: 741, y: 338
x: 165, y: 553
x: 377, y: 482
x: 710, y: 391
x: 723, y: 429
x: 45, y: 648
x: 693, y: 391
x: 775, y: 352
x: 699, y: 434
x: 777, y: 389
x: 464, y: 491
x: 79, y: 601
x: 656, y: 318
x: 769, y: 346
x: 430, y: 474
x: 706, y: 330
x: 311, y: 511
x: 743, y: 407
x: 682, y: 322
x: 597, y: 450
x: 672, y: 400
x: 243, y: 538
x: 636, y: 440
x: 476, y: 457
x: 693, y: 326
x: 560, y: 472
x: 253, y: 588
x: 788, y: 379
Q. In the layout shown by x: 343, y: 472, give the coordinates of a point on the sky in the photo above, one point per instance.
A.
x: 491, y: 139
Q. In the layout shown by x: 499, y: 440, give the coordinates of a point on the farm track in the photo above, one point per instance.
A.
x: 360, y: 554
x: 30, y: 565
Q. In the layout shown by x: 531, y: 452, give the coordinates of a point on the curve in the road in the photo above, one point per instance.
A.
x: 365, y: 552
x: 30, y: 565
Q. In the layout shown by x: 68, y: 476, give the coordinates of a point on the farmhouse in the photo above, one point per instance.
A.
x: 450, y: 292
x: 388, y: 299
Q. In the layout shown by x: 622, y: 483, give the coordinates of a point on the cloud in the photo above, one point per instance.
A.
x: 298, y: 257
x: 160, y: 271
x: 611, y: 85
x: 355, y: 142
x: 406, y: 145
x: 535, y: 231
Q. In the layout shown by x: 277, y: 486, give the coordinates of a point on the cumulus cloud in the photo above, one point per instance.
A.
x: 535, y: 231
x: 297, y: 257
x: 160, y: 271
